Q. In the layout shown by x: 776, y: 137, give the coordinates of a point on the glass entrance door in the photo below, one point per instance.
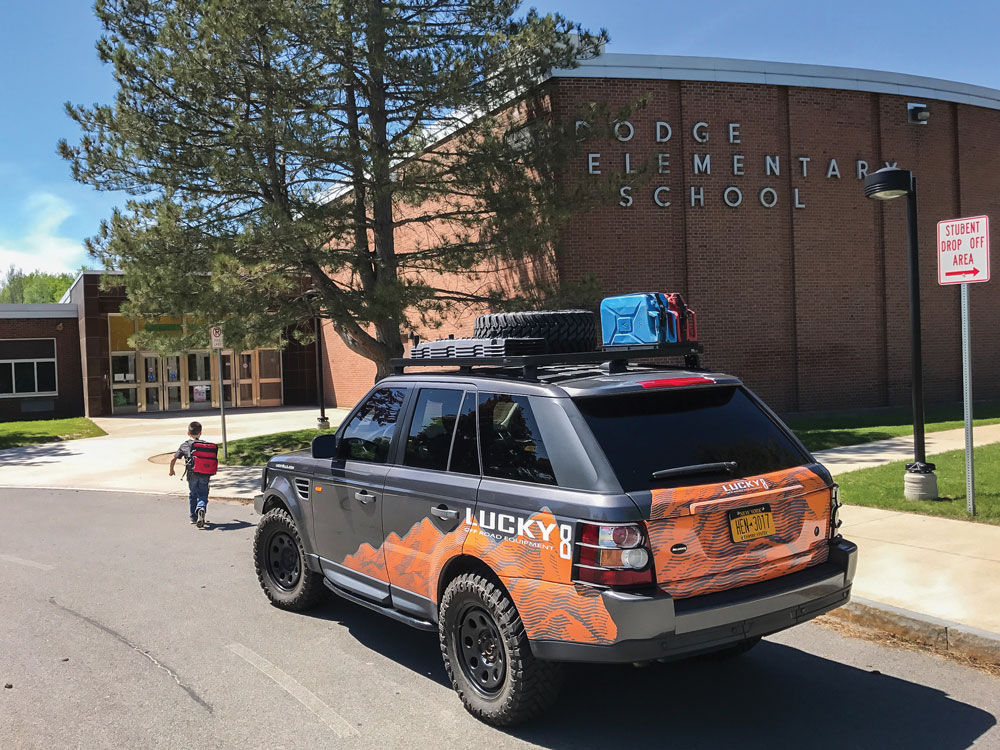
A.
x: 247, y: 376
x: 226, y: 377
x: 172, y: 383
x: 199, y: 380
x: 150, y: 392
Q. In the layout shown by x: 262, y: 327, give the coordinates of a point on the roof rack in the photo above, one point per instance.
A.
x: 616, y: 359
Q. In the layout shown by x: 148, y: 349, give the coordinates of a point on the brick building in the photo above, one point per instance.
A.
x: 740, y: 184
x: 77, y: 358
x: 39, y: 362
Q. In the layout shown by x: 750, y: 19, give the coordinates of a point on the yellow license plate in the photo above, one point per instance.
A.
x: 755, y: 522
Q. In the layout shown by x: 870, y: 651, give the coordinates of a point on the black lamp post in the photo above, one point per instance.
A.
x: 322, y: 422
x: 886, y: 184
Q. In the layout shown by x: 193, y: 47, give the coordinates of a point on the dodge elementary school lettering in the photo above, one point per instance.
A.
x: 701, y: 163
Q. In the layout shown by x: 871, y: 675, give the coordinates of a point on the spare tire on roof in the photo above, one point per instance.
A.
x: 563, y: 330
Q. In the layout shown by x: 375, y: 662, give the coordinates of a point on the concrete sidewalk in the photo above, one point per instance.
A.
x: 880, y: 452
x: 121, y: 460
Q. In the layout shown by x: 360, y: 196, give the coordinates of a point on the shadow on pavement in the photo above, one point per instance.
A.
x: 774, y: 697
x: 34, y: 455
x: 233, y: 525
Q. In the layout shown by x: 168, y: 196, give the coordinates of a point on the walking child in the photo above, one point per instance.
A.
x: 200, y: 463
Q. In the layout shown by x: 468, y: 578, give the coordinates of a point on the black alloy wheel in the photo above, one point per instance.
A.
x: 483, y: 660
x: 283, y: 561
x: 487, y: 654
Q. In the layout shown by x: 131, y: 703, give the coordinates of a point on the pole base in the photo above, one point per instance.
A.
x: 322, y: 423
x: 920, y: 486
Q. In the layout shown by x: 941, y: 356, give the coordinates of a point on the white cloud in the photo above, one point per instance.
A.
x: 40, y: 246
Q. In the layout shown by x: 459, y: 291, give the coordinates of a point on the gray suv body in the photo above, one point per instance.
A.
x: 578, y: 515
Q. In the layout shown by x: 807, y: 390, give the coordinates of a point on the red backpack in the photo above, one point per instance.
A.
x: 204, y: 458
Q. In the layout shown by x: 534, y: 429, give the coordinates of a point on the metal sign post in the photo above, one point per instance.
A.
x: 215, y: 334
x: 970, y: 485
x: 963, y: 253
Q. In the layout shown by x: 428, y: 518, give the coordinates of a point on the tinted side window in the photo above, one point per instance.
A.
x: 369, y: 433
x: 511, y: 442
x: 434, y: 418
x: 465, y: 449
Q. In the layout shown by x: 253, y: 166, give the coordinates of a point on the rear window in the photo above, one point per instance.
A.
x: 666, y: 429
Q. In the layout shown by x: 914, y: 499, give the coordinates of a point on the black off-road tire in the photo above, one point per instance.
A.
x: 528, y: 687
x: 563, y: 330
x: 280, y: 561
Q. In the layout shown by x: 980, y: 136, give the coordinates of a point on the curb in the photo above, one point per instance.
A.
x: 247, y: 500
x: 942, y: 635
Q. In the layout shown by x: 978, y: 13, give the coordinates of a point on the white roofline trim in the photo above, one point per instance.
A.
x: 60, y: 310
x: 86, y: 272
x: 682, y: 68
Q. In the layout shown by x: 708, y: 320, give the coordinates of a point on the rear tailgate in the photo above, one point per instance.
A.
x: 713, y: 537
x: 730, y: 496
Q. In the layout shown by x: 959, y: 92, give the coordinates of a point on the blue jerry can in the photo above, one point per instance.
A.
x: 637, y: 319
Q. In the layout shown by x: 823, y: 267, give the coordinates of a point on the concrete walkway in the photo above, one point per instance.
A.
x: 880, y: 452
x: 121, y: 460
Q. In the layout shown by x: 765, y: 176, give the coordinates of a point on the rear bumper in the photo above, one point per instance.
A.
x: 657, y: 627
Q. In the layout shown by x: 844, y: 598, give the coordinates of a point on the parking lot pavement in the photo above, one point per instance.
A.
x: 125, y: 627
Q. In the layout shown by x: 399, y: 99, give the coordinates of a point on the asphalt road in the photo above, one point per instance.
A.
x: 123, y: 626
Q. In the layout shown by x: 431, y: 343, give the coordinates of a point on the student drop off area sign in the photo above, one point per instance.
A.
x: 963, y: 252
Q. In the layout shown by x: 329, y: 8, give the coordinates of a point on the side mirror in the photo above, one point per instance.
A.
x: 325, y: 446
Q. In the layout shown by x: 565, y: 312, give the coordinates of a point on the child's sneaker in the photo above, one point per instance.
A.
x: 201, y: 518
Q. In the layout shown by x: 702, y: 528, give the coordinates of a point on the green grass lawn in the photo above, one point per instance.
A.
x: 15, y: 434
x: 882, y: 487
x: 832, y: 432
x: 256, y: 451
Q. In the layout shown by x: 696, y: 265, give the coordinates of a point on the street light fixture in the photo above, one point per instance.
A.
x: 322, y: 421
x: 919, y: 482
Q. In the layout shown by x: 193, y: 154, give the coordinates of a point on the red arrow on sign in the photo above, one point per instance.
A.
x: 974, y: 272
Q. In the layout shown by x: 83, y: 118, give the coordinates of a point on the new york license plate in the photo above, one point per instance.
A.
x: 754, y: 522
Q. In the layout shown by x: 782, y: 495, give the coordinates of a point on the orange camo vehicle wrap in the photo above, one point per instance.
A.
x: 414, y: 561
x: 562, y: 612
x: 698, y: 517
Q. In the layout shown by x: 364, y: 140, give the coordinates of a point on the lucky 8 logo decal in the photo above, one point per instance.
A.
x: 529, y: 531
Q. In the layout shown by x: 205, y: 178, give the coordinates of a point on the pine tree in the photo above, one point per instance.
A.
x: 365, y: 148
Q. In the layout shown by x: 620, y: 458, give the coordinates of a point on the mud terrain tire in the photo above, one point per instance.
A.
x: 280, y: 561
x: 563, y: 330
x: 487, y: 655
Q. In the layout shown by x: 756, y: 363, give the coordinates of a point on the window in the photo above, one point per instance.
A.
x: 27, y: 367
x: 645, y: 432
x: 511, y: 442
x: 429, y: 442
x: 368, y: 435
x: 465, y: 449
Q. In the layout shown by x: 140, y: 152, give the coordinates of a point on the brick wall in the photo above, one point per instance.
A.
x: 809, y: 303
x: 69, y: 402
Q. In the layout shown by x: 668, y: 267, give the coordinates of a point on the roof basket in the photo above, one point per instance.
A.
x: 465, y: 356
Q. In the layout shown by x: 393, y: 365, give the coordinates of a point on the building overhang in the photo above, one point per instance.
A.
x: 30, y: 311
x: 723, y: 70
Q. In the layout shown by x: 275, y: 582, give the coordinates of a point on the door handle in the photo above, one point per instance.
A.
x: 445, y: 514
x: 364, y: 497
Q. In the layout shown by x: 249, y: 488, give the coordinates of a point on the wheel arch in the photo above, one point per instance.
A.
x: 461, y: 564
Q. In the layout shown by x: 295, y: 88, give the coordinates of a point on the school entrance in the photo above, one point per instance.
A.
x: 145, y: 382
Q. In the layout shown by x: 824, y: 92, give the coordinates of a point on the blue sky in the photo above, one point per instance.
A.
x: 47, y: 58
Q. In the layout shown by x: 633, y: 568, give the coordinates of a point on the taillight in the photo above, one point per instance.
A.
x: 613, y: 555
x: 835, y: 505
